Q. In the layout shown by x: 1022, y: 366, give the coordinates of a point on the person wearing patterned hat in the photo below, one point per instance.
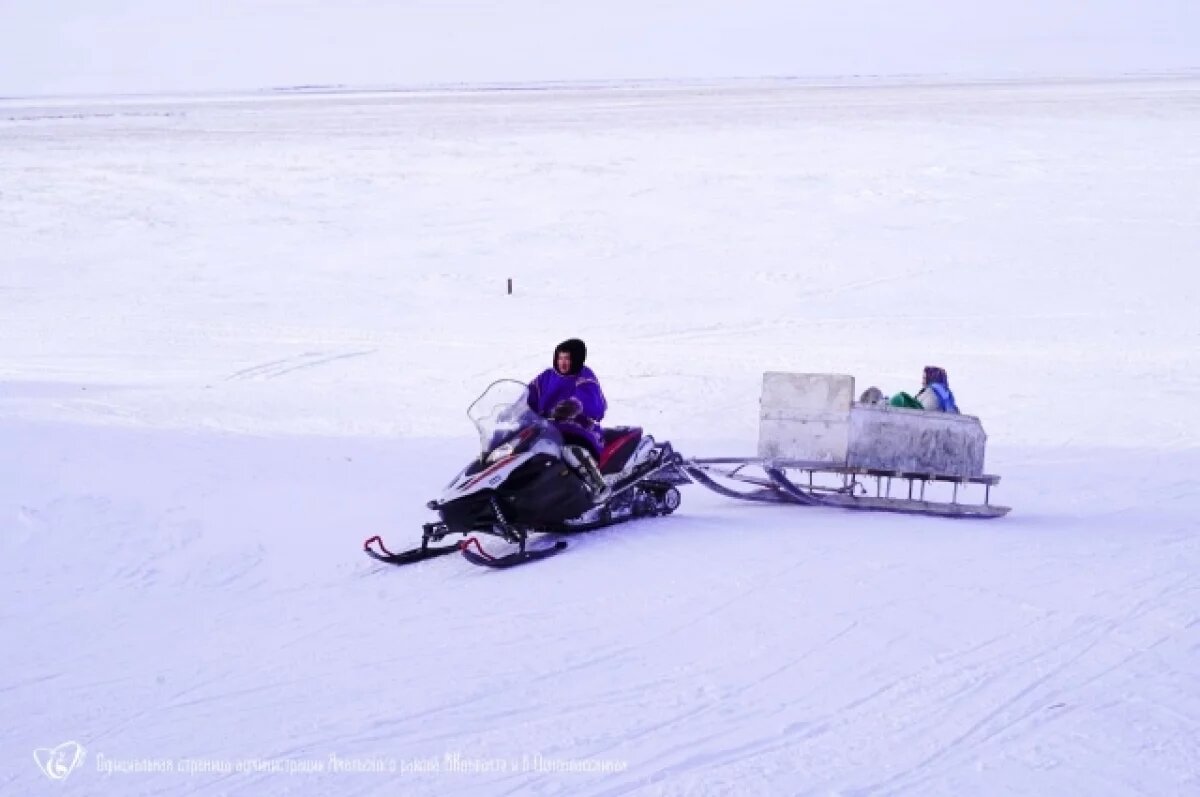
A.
x: 935, y: 390
x: 934, y: 396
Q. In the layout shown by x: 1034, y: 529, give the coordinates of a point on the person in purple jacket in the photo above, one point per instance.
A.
x: 569, y: 395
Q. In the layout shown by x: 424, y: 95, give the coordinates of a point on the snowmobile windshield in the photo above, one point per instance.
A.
x: 502, y: 411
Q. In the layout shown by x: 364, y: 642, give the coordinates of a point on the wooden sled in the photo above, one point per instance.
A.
x: 817, y: 446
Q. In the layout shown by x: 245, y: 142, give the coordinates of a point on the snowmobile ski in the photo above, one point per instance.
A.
x: 405, y: 557
x: 478, y: 556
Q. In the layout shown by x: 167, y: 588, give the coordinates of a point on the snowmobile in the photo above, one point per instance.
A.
x: 523, y: 482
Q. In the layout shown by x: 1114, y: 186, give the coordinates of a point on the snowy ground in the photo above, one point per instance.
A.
x: 237, y: 336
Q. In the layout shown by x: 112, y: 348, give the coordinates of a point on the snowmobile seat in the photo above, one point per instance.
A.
x: 619, y: 444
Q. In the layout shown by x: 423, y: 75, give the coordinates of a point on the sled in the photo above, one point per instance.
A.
x: 818, y: 447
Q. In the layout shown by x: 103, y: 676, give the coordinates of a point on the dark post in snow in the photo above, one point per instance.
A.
x: 510, y: 286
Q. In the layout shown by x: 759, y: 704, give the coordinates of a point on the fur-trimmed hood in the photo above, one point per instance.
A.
x: 578, y: 351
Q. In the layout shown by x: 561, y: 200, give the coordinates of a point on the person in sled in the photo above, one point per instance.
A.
x: 569, y: 395
x: 934, y: 396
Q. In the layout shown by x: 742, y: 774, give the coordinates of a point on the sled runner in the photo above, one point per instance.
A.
x: 819, y: 484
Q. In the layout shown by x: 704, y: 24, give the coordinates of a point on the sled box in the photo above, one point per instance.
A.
x: 814, y: 418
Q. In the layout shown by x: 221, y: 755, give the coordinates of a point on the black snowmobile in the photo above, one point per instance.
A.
x: 523, y: 483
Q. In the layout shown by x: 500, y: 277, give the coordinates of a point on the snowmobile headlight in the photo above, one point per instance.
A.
x: 510, y: 448
x: 502, y: 452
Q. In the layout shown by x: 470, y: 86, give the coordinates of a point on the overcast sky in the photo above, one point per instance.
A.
x: 104, y: 46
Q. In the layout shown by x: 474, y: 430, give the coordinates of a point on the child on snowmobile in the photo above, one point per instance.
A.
x: 569, y: 395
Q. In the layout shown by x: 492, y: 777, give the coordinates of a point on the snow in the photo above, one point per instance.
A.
x: 238, y: 335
